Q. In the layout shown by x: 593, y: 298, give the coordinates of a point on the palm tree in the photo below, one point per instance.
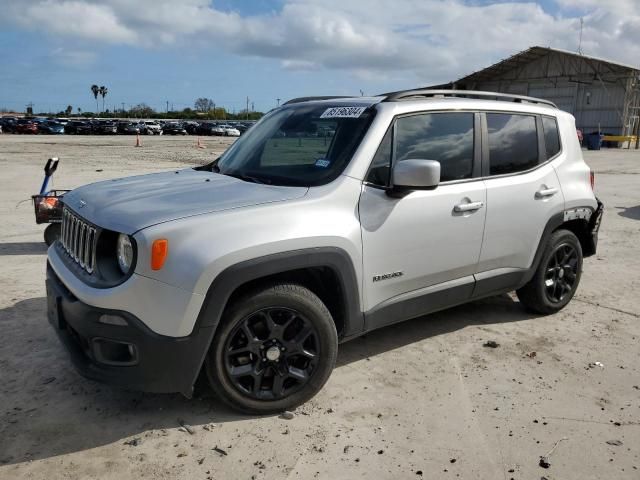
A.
x: 103, y: 91
x: 95, y: 89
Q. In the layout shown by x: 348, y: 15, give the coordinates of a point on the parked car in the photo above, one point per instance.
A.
x: 192, y: 128
x: 128, y: 128
x: 174, y: 128
x: 230, y: 130
x: 76, y: 127
x: 51, y: 127
x: 26, y: 125
x: 150, y: 127
x: 252, y: 269
x: 206, y: 128
x: 8, y: 124
x: 217, y: 130
x: 241, y: 127
x: 106, y: 127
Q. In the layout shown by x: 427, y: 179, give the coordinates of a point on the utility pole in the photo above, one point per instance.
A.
x: 214, y: 110
x: 580, y: 40
x: 167, y: 107
x: 278, y: 101
x: 247, y: 110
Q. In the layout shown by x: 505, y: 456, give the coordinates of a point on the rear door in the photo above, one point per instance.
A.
x: 523, y: 193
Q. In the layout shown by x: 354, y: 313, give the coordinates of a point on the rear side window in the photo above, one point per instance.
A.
x: 445, y: 137
x: 513, y: 143
x: 551, y: 136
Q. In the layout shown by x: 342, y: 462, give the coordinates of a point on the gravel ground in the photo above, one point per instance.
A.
x: 421, y: 399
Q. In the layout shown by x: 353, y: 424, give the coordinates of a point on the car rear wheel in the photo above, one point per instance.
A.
x: 274, y: 350
x: 557, y: 277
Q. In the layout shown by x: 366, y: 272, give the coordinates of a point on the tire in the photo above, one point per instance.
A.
x: 52, y: 233
x: 557, y: 276
x: 273, y: 372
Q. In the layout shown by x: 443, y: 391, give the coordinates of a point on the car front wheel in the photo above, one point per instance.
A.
x: 275, y: 349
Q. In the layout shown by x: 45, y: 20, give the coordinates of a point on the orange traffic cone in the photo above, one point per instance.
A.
x: 138, y: 142
x: 199, y: 144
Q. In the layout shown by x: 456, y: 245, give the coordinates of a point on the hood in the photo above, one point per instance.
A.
x: 127, y: 205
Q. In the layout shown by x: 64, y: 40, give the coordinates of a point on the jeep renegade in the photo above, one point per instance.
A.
x: 329, y: 218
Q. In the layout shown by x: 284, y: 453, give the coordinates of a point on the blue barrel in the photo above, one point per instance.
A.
x: 593, y: 141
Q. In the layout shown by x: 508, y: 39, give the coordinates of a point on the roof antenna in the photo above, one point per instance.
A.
x: 580, y: 41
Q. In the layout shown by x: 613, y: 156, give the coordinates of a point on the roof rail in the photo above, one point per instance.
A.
x: 309, y: 99
x: 406, y: 94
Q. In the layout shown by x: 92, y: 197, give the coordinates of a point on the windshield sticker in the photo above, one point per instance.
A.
x: 343, y: 112
x: 322, y: 162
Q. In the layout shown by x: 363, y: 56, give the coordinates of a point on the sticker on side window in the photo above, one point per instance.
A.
x: 322, y: 162
x: 343, y: 112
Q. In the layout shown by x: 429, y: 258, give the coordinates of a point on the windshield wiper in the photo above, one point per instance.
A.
x: 247, y: 178
x: 210, y: 167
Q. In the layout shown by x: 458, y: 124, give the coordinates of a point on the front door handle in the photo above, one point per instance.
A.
x: 468, y: 207
x: 546, y: 192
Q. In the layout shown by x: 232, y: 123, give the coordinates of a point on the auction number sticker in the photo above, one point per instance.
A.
x: 343, y: 112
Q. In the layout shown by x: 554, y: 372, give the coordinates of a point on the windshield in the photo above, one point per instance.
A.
x: 298, y: 145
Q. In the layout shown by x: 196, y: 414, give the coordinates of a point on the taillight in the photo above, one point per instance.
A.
x: 592, y: 179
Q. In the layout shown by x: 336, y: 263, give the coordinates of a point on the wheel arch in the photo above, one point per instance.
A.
x: 327, y: 271
x: 579, y: 227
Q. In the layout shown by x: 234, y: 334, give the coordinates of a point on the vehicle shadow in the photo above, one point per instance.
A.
x: 23, y: 248
x: 48, y: 410
x: 631, y: 212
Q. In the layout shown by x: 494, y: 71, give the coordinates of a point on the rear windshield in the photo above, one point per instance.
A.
x: 300, y: 144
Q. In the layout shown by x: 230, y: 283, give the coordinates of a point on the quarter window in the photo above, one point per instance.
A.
x: 445, y: 137
x: 381, y: 165
x: 551, y: 136
x: 513, y: 143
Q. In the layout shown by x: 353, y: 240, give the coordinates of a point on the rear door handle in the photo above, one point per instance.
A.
x: 546, y: 192
x: 468, y: 207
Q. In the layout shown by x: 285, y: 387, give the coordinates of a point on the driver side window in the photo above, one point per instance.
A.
x: 445, y: 137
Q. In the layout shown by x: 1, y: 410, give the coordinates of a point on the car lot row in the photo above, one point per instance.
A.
x: 53, y: 126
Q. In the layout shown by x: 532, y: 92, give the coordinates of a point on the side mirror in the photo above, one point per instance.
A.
x: 416, y: 175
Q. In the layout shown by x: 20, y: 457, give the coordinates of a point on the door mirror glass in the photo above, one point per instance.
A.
x: 415, y: 174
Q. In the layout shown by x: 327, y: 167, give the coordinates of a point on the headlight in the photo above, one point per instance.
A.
x: 124, y: 253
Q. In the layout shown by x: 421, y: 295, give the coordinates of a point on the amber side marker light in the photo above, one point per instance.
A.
x: 159, y: 252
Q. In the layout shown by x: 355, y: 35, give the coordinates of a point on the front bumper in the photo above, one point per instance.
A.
x: 130, y: 355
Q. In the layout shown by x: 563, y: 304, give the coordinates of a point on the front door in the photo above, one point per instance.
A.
x: 426, y: 240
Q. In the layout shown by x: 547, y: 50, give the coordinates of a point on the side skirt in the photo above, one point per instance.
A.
x: 418, y: 303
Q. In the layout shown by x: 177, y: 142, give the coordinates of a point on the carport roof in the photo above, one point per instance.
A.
x: 528, y: 56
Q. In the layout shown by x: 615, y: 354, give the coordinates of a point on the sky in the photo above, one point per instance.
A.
x: 159, y: 51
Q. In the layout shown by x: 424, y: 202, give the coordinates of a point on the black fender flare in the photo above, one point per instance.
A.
x: 553, y: 224
x: 235, y: 276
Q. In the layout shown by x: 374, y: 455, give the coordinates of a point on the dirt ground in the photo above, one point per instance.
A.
x: 422, y: 399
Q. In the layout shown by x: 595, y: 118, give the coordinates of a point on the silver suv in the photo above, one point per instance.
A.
x: 253, y: 268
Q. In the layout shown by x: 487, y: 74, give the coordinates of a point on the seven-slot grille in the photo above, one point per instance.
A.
x: 78, y: 239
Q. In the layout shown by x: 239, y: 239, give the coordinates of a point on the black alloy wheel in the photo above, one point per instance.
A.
x: 274, y: 349
x: 561, y: 272
x: 556, y: 277
x: 271, y: 353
